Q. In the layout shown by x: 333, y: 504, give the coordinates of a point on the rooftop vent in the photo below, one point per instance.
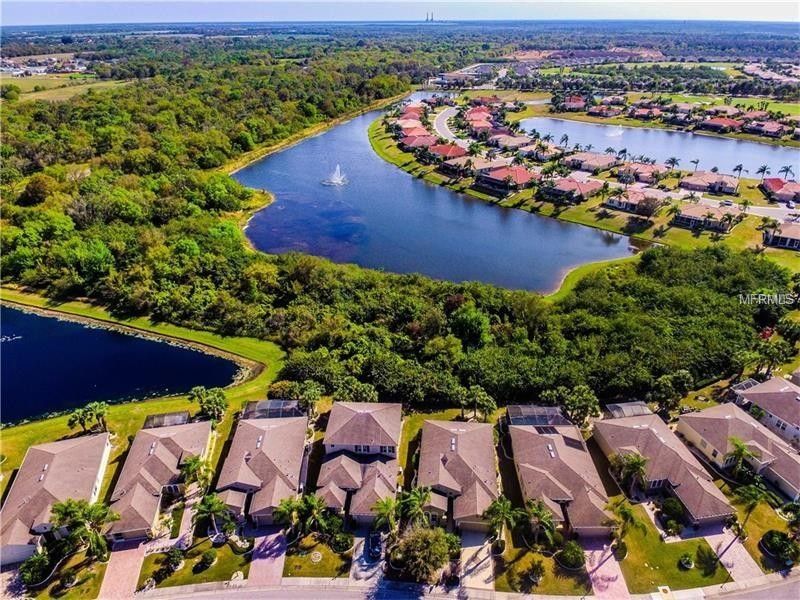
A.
x: 44, y: 468
x: 152, y: 449
x: 258, y: 441
x: 452, y: 444
x: 41, y: 477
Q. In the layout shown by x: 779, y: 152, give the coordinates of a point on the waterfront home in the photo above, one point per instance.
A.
x: 152, y: 467
x: 613, y: 101
x: 644, y: 172
x: 541, y: 151
x: 486, y: 101
x: 710, y: 431
x: 553, y: 465
x: 412, y: 142
x: 786, y: 235
x: 708, y: 181
x: 480, y: 128
x: 755, y: 115
x: 468, y: 166
x: 682, y: 108
x: 574, y: 103
x: 771, y: 129
x: 571, y: 190
x: 645, y: 113
x: 50, y: 473
x: 604, y: 111
x: 478, y: 113
x: 671, y: 467
x: 360, y: 444
x: 699, y: 216
x: 407, y: 123
x: 509, y: 142
x: 446, y: 151
x: 721, y: 124
x: 590, y: 161
x: 265, y: 465
x: 724, y: 110
x: 506, y: 179
x: 413, y: 131
x: 637, y: 200
x: 779, y: 399
x: 457, y: 462
x: 780, y: 190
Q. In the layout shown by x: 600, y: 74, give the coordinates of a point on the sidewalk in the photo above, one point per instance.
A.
x: 734, y: 556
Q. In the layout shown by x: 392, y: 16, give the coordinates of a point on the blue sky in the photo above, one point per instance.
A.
x: 41, y: 12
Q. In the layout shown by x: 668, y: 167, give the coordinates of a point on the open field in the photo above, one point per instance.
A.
x: 45, y: 82
x: 58, y: 94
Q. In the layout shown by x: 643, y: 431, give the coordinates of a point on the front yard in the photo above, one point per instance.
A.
x: 311, y: 557
x: 88, y: 577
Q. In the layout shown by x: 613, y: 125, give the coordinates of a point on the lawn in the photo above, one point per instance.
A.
x: 299, y: 560
x: 89, y: 577
x: 228, y: 563
x: 44, y: 82
x: 126, y: 419
x: 409, y: 442
x: 59, y: 94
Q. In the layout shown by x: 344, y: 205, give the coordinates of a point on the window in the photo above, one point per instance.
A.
x: 384, y: 449
x: 358, y: 448
x: 391, y: 449
x: 714, y: 453
x: 365, y: 449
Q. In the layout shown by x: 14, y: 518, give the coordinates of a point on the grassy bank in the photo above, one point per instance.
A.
x: 126, y: 419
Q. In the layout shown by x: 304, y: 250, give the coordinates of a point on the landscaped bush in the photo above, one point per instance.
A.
x: 423, y: 552
x: 206, y: 559
x: 572, y: 556
x: 673, y: 527
x: 780, y: 545
x: 686, y: 561
x: 673, y: 510
x: 341, y: 542
x: 67, y: 578
x: 172, y: 560
x: 36, y: 568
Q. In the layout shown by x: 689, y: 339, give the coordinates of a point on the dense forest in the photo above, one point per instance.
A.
x: 116, y: 196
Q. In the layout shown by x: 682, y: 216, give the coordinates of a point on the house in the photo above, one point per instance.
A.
x: 360, y: 444
x: 604, y: 111
x: 413, y: 131
x: 407, y: 123
x: 699, y: 216
x: 786, y: 235
x: 613, y: 101
x: 635, y: 200
x: 574, y: 103
x: 506, y: 179
x: 671, y: 467
x: 553, y: 465
x: 590, y: 161
x: 779, y: 398
x: 480, y: 128
x: 50, y: 473
x: 571, y: 190
x: 412, y: 142
x: 781, y: 190
x: 467, y: 166
x: 708, y: 181
x: 755, y: 115
x: 541, y: 151
x: 644, y: 172
x: 724, y: 110
x: 509, y: 142
x: 710, y: 432
x: 682, y: 108
x: 264, y: 466
x: 771, y: 129
x: 645, y: 113
x: 457, y: 461
x: 486, y: 101
x: 446, y: 151
x: 153, y: 466
x: 721, y: 124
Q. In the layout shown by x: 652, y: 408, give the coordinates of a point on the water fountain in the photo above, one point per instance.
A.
x: 617, y: 132
x: 336, y: 178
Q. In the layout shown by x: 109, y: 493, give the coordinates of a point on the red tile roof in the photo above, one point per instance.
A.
x: 448, y: 150
x: 519, y: 175
x: 773, y: 184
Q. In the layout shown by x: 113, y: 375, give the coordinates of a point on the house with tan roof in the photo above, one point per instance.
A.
x: 785, y: 235
x: 779, y: 398
x: 635, y: 200
x: 671, y: 466
x: 152, y: 467
x: 457, y: 461
x: 590, y: 161
x: 360, y: 443
x: 265, y: 464
x: 780, y: 190
x: 553, y: 465
x: 708, y: 181
x: 542, y: 151
x: 470, y: 165
x: 710, y: 431
x: 50, y: 473
x: 721, y: 124
x: 644, y: 172
x: 700, y: 216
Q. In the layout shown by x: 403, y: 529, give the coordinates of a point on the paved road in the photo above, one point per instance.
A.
x: 442, y: 129
x: 784, y: 590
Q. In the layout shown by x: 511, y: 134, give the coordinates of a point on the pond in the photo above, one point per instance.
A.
x: 661, y: 144
x: 52, y: 365
x: 385, y: 218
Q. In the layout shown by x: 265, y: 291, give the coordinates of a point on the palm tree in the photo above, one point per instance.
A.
x: 501, y: 514
x: 211, y: 507
x: 624, y: 519
x: 745, y: 204
x: 605, y: 189
x: 622, y: 154
x: 738, y: 170
x: 85, y: 523
x: 98, y: 411
x: 288, y: 512
x: 314, y: 513
x: 611, y: 150
x: 412, y: 505
x: 786, y: 170
x: 195, y: 470
x: 738, y: 454
x: 79, y: 416
x: 630, y: 468
x: 474, y: 149
x: 750, y: 496
x: 672, y: 162
x: 763, y: 170
x: 548, y: 137
x: 385, y: 511
x: 564, y: 140
x: 541, y: 520
x: 695, y: 162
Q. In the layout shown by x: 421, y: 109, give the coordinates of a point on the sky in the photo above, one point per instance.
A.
x: 47, y: 12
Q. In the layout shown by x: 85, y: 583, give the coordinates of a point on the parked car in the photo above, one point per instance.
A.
x: 790, y: 204
x: 727, y: 203
x: 375, y: 545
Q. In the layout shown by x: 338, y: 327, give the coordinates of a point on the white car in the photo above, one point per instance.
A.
x: 790, y: 204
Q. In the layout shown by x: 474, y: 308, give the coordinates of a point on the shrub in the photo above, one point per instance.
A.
x: 673, y: 527
x: 572, y: 555
x: 454, y: 544
x: 779, y: 544
x: 173, y: 559
x: 424, y: 552
x: 35, y: 568
x: 673, y: 510
x: 207, y: 559
x: 686, y: 560
x: 558, y: 540
x: 67, y: 578
x: 341, y: 542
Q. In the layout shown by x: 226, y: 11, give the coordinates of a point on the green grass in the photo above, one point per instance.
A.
x: 573, y: 276
x: 126, y: 419
x: 409, y: 442
x: 177, y: 515
x: 46, y: 82
x: 89, y: 577
x: 298, y: 560
x: 228, y: 563
x: 59, y: 94
x: 651, y: 562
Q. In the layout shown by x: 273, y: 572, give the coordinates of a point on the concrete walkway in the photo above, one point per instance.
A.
x: 269, y: 554
x: 122, y: 573
x: 734, y: 556
x: 477, y: 565
x: 604, y: 571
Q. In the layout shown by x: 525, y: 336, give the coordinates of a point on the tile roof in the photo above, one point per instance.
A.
x: 777, y: 396
x: 364, y: 423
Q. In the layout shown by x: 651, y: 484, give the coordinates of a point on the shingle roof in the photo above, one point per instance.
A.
x: 777, y: 396
x: 154, y: 461
x: 667, y: 459
x: 364, y: 423
x: 370, y: 477
x: 50, y: 473
x: 265, y: 456
x: 459, y: 458
x: 554, y: 465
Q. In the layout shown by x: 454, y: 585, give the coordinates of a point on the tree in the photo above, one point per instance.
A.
x: 480, y: 401
x: 750, y: 496
x: 540, y: 519
x: 572, y: 555
x: 695, y: 162
x: 631, y: 468
x: 672, y: 162
x: 211, y: 508
x: 424, y: 551
x: 213, y: 403
x: 624, y: 519
x: 314, y: 514
x: 664, y: 394
x: 470, y: 325
x: 352, y: 390
x: 385, y: 511
x: 412, y: 505
x: 98, y: 412
x: 763, y: 170
x: 195, y: 470
x: 85, y: 523
x: 39, y: 187
x: 501, y: 514
x: 580, y: 404
x: 78, y: 416
x: 35, y: 568
x: 738, y: 454
x: 288, y: 512
x: 786, y: 171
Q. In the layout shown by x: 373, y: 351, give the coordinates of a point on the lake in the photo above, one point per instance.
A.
x: 385, y: 218
x: 661, y: 144
x: 53, y: 365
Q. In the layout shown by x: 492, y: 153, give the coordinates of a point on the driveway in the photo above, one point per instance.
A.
x: 604, y: 571
x: 364, y: 571
x: 442, y: 129
x: 477, y: 566
x: 122, y: 573
x: 733, y: 556
x: 10, y: 584
x: 269, y: 554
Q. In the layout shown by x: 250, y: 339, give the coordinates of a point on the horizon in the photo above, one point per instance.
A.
x: 71, y: 13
